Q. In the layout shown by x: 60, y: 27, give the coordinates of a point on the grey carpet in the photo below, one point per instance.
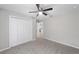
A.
x: 41, y: 46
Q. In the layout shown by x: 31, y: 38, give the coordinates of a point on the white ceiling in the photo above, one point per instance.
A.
x: 58, y: 8
x: 21, y: 8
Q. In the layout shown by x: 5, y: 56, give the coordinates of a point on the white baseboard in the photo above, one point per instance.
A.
x: 77, y: 47
x: 4, y: 49
x: 22, y: 43
x: 14, y: 46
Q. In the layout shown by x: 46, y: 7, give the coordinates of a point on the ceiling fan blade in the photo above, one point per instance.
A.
x: 33, y: 11
x: 45, y: 14
x: 48, y: 9
x: 38, y: 6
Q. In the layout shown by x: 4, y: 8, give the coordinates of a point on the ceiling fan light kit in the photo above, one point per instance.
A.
x: 40, y: 13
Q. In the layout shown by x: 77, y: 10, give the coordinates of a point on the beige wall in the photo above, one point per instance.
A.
x: 4, y: 30
x: 4, y: 26
x: 63, y: 27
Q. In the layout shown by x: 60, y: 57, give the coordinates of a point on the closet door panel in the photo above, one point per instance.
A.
x: 12, y: 32
x: 20, y: 31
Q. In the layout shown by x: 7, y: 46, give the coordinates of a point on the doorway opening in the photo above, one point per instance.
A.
x: 39, y: 29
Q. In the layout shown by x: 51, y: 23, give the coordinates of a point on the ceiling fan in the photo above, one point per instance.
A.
x: 41, y: 10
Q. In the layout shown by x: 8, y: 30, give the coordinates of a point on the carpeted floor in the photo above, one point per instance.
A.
x: 41, y: 46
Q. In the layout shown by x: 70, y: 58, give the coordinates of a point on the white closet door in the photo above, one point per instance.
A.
x: 12, y: 32
x: 20, y: 31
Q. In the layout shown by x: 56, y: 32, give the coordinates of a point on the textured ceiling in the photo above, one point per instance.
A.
x: 59, y: 9
x: 21, y: 8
